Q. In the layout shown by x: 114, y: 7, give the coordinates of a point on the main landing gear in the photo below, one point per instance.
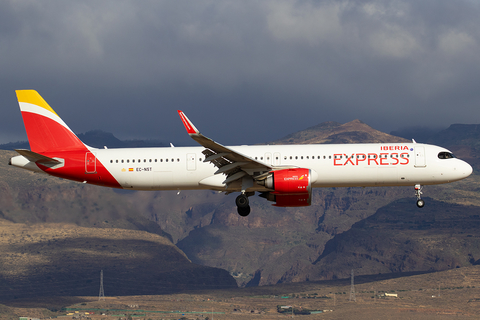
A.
x: 243, y: 207
x: 418, y: 193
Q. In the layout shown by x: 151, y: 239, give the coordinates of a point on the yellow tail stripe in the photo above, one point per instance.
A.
x: 32, y: 97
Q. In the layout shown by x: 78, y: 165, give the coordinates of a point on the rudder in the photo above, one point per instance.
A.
x: 46, y: 131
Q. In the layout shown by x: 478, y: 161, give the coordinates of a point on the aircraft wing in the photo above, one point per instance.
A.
x: 229, y: 162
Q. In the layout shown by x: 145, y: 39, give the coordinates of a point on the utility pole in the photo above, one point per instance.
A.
x: 101, y: 295
x: 352, y: 288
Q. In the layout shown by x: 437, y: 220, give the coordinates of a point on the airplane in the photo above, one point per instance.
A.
x: 283, y: 174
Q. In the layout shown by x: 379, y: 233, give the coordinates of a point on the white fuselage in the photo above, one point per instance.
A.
x: 346, y: 165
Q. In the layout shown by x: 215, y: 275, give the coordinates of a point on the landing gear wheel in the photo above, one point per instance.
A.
x: 420, y: 203
x: 243, y: 207
x: 242, y: 201
x: 243, y: 211
x: 418, y: 193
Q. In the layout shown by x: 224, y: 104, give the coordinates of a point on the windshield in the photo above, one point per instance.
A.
x: 445, y: 155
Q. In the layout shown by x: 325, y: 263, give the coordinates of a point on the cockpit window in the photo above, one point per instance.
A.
x: 445, y: 155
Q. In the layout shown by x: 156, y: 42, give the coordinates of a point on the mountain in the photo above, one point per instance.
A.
x: 96, y: 139
x: 272, y: 245
x: 66, y: 260
x: 333, y: 132
x: 398, y: 238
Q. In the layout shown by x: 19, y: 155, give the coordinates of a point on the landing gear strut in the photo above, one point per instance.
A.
x: 418, y: 193
x: 243, y: 207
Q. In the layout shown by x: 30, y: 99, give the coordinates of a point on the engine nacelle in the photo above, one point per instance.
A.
x: 290, y: 181
x: 291, y: 187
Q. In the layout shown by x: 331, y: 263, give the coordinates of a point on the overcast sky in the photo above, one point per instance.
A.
x: 243, y: 71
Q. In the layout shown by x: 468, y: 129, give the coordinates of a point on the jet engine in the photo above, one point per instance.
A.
x: 291, y: 187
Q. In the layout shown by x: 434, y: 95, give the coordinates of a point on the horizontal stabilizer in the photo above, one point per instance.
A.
x: 38, y: 158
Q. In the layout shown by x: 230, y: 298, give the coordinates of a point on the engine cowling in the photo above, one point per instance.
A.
x: 291, y: 181
x: 291, y: 187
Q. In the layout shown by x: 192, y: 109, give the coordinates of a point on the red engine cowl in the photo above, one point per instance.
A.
x: 290, y: 181
x: 292, y: 187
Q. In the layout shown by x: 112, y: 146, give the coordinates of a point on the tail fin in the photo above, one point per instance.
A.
x: 46, y: 131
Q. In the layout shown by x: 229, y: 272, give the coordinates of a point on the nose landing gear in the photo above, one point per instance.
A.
x: 418, y: 193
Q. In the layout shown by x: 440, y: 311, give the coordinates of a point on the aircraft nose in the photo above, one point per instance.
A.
x: 465, y: 169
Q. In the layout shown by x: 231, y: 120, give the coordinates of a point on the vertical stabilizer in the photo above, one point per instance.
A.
x: 46, y: 131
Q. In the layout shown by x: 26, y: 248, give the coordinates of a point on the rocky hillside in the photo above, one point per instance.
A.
x: 269, y: 246
x: 398, y: 238
x: 65, y: 260
x: 333, y: 132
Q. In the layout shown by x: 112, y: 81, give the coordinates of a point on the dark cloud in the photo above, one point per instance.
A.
x: 243, y: 71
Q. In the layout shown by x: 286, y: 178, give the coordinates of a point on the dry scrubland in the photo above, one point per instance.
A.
x: 452, y: 294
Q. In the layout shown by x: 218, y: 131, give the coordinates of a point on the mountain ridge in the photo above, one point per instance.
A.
x: 272, y: 245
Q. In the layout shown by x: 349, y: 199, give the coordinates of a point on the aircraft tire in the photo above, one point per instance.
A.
x: 243, y: 211
x: 420, y: 203
x: 242, y: 201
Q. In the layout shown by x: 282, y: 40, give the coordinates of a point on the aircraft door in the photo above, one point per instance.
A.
x: 90, y: 163
x: 420, y: 157
x: 191, y: 161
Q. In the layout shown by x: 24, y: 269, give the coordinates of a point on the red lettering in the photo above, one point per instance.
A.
x: 372, y: 157
x: 383, y: 159
x: 348, y: 160
x: 395, y: 159
x: 335, y: 159
x: 361, y: 157
x: 386, y: 148
x: 404, y: 158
